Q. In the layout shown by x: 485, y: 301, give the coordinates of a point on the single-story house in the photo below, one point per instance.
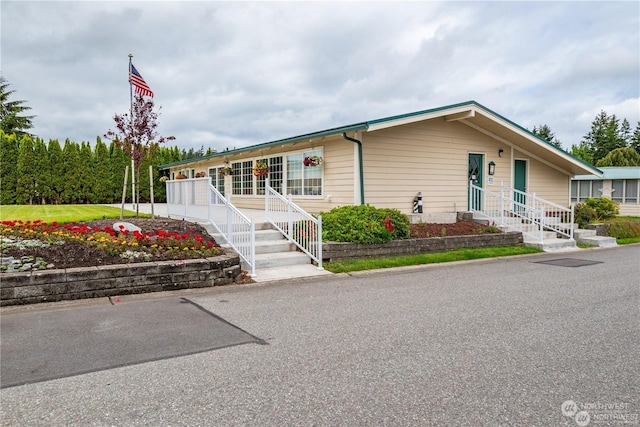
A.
x: 387, y: 162
x: 621, y: 184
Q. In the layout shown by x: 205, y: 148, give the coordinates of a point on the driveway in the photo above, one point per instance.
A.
x: 514, y: 341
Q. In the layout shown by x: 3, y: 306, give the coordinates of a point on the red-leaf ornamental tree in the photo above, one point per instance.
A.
x: 136, y: 134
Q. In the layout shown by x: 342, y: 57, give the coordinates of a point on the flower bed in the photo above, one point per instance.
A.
x: 98, y: 243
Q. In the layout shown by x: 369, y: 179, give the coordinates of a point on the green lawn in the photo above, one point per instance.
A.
x: 429, y: 258
x: 62, y: 213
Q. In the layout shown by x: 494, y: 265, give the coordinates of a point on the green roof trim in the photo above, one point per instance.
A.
x: 365, y: 126
x: 313, y: 135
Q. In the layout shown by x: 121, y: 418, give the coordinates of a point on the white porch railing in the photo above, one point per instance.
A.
x: 520, y: 211
x: 300, y: 227
x: 197, y: 199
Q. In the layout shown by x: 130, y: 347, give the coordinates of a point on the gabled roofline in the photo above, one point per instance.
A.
x: 382, y: 123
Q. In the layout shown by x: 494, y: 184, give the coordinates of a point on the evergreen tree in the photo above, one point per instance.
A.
x: 583, y: 151
x: 118, y: 162
x: 57, y: 181
x: 625, y: 132
x: 635, y: 139
x: 71, y: 155
x: 8, y: 172
x: 11, y: 118
x: 102, y: 184
x: 604, y: 136
x: 42, y: 171
x: 85, y: 174
x: 544, y: 132
x: 626, y: 156
x: 26, y: 189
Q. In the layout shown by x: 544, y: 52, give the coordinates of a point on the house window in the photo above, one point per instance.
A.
x: 242, y: 182
x: 275, y: 175
x: 617, y: 190
x: 304, y: 180
x: 300, y: 180
x: 217, y: 180
x: 581, y: 190
x: 631, y: 190
x: 294, y: 174
x: 596, y: 188
x: 584, y: 191
x: 625, y: 190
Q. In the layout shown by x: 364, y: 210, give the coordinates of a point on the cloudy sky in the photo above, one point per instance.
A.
x: 232, y: 74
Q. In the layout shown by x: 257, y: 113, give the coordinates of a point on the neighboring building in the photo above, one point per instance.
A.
x: 621, y: 184
x: 386, y: 162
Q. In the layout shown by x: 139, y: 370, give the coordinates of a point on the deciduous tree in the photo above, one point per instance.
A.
x: 625, y: 156
x: 136, y: 133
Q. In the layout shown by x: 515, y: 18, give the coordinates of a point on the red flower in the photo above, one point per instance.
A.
x: 388, y: 224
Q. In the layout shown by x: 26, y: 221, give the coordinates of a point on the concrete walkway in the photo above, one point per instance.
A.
x: 262, y: 275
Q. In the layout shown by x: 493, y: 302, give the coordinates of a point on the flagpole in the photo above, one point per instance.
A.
x: 133, y: 178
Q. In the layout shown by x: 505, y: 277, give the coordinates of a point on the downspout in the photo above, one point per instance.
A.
x: 360, y: 164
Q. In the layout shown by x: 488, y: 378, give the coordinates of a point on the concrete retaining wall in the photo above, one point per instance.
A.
x: 111, y: 280
x: 346, y: 251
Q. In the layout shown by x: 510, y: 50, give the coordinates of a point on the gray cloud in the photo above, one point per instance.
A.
x: 229, y: 74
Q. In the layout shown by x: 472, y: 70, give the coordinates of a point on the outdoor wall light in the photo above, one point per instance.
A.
x: 492, y: 168
x: 500, y: 152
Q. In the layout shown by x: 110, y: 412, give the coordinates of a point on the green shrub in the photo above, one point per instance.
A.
x: 624, y: 229
x: 584, y: 214
x: 364, y: 224
x: 605, y: 207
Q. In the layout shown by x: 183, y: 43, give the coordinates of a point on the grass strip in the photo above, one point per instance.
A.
x: 62, y: 213
x: 428, y: 258
x: 628, y: 240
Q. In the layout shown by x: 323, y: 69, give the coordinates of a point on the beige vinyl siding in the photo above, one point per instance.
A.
x: 429, y: 157
x: 338, y: 174
x: 546, y: 181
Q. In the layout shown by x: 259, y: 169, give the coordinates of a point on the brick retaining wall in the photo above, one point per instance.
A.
x: 111, y: 280
x: 344, y: 251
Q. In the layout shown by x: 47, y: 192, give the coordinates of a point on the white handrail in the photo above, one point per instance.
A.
x: 520, y: 211
x: 197, y: 199
x: 297, y: 225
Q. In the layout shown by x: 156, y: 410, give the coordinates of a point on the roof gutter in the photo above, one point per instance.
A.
x: 360, y: 164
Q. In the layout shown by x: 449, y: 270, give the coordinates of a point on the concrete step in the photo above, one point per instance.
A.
x: 582, y: 234
x: 599, y: 241
x: 271, y: 246
x: 279, y: 259
x: 552, y: 245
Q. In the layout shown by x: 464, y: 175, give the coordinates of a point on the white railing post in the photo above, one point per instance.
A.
x: 290, y: 213
x: 501, y: 203
x: 252, y: 240
x: 571, y: 224
x: 266, y: 198
x: 229, y: 225
x: 184, y: 194
x: 541, y: 225
x: 470, y: 201
x: 319, y: 242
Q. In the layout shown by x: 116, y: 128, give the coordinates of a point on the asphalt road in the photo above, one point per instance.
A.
x: 496, y: 342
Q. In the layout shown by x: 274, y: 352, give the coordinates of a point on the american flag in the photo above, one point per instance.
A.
x: 141, y: 86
